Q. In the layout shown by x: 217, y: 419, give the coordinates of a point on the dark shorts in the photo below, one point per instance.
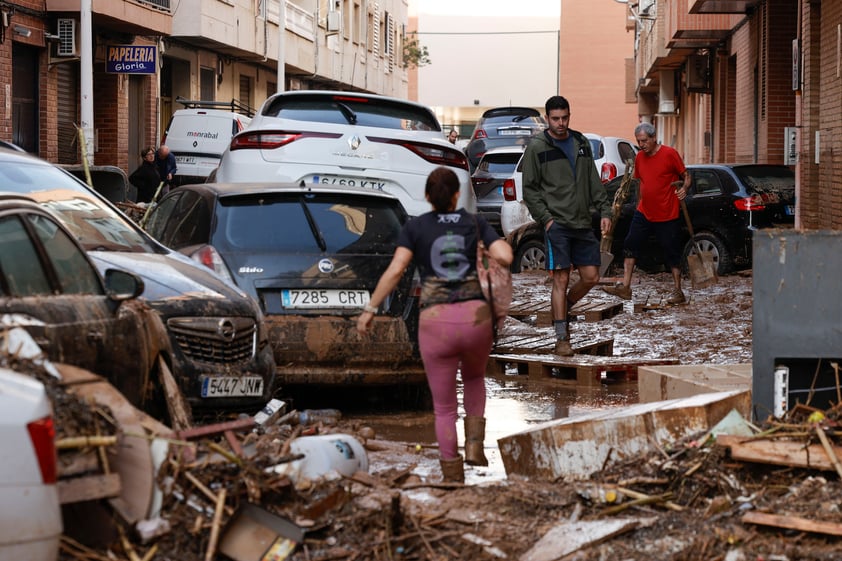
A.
x: 667, y: 233
x: 566, y: 247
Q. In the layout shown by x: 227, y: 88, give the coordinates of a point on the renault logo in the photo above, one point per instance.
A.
x: 354, y: 142
x: 226, y: 330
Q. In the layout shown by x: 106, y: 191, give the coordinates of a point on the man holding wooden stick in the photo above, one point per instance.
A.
x: 656, y: 166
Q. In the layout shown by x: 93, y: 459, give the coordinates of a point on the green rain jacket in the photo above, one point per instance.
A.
x: 552, y: 193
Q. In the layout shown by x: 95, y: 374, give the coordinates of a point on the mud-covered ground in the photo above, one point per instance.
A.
x: 695, y: 494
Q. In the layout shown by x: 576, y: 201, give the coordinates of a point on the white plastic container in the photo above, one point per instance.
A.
x: 325, y: 455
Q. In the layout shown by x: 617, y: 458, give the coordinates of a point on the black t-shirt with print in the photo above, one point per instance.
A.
x: 444, y: 245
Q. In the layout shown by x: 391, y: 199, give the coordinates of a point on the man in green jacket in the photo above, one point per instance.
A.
x: 560, y: 187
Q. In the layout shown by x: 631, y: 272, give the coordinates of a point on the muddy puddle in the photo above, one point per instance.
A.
x: 513, y: 404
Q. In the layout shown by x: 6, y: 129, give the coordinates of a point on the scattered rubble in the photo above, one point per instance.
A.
x: 770, y: 492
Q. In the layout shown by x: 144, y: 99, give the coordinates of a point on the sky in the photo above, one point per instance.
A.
x: 490, y: 8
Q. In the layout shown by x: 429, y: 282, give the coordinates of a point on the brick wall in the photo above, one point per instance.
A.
x: 829, y: 210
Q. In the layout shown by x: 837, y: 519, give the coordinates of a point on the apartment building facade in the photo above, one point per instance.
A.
x: 747, y: 81
x: 148, y: 53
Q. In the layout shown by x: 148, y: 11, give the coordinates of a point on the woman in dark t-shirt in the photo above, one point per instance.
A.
x: 455, y: 332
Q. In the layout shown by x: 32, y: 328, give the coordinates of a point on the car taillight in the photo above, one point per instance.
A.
x: 754, y: 202
x: 42, y: 434
x: 609, y: 172
x: 509, y: 190
x: 431, y: 152
x: 269, y: 140
x: 479, y: 133
x: 210, y: 258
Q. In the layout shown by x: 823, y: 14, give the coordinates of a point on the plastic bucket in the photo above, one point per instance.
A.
x: 325, y: 453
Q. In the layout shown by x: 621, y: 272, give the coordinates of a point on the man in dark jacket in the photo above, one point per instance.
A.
x: 166, y: 164
x: 560, y: 187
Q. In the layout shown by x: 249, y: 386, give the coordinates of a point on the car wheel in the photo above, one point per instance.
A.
x: 530, y: 255
x: 709, y: 242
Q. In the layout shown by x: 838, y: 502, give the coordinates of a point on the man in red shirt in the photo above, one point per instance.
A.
x: 657, y: 167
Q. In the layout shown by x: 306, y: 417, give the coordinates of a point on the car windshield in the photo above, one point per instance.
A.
x: 521, y: 120
x: 302, y: 222
x: 766, y: 179
x: 349, y: 109
x: 92, y: 222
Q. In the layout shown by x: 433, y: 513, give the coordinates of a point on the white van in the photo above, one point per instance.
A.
x: 198, y: 135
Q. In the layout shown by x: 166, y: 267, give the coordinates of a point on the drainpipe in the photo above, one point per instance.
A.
x: 86, y: 75
x: 798, y: 119
x: 282, y: 32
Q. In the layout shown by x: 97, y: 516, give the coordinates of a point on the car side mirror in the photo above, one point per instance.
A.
x: 121, y: 285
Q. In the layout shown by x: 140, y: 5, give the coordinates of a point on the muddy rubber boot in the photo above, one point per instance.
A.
x: 475, y: 441
x: 452, y: 470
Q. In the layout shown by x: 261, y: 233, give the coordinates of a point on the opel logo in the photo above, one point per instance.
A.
x: 354, y: 142
x: 225, y: 329
x: 326, y: 266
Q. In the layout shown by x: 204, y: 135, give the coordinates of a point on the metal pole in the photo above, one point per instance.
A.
x: 282, y: 31
x: 86, y: 74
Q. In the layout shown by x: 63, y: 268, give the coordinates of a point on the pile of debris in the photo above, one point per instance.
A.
x: 133, y: 489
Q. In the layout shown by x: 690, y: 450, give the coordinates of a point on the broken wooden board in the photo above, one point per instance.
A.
x: 793, y: 523
x: 658, y: 383
x: 585, y: 370
x: 568, y: 537
x: 88, y: 488
x: 779, y: 452
x: 545, y: 344
x: 578, y: 447
x: 591, y: 310
x: 132, y: 458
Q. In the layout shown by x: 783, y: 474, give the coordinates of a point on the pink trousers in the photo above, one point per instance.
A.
x: 455, y: 338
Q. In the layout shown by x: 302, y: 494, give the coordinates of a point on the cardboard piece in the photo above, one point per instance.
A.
x: 255, y: 534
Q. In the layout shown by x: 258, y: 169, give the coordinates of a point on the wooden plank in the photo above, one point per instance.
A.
x: 179, y: 410
x: 566, y: 538
x: 581, y: 369
x: 793, y: 523
x: 778, y: 452
x: 88, y: 488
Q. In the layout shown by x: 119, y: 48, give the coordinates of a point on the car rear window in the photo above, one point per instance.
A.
x: 308, y: 222
x: 499, y: 163
x: 344, y: 110
x: 760, y: 179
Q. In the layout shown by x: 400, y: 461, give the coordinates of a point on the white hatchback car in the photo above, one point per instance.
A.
x: 30, y: 520
x: 343, y: 138
x: 610, y: 154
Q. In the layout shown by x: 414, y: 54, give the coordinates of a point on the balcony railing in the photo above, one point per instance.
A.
x: 159, y: 4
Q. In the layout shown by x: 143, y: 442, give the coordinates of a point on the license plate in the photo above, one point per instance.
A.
x: 229, y: 386
x: 342, y: 181
x: 514, y: 132
x: 324, y: 298
x: 185, y: 160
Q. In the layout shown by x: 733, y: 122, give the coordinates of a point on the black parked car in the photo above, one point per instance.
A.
x: 503, y: 126
x: 726, y: 203
x: 220, y: 351
x: 50, y: 288
x: 311, y: 256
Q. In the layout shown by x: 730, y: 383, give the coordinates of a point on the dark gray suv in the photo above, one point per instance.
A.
x: 311, y: 255
x: 503, y: 126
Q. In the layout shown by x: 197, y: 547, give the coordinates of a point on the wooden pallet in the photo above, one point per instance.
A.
x: 656, y: 300
x: 545, y: 344
x: 583, y: 370
x: 592, y: 310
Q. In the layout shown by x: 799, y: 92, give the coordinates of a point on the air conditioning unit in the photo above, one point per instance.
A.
x: 696, y: 75
x: 666, y: 92
x: 66, y: 37
x: 332, y: 23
